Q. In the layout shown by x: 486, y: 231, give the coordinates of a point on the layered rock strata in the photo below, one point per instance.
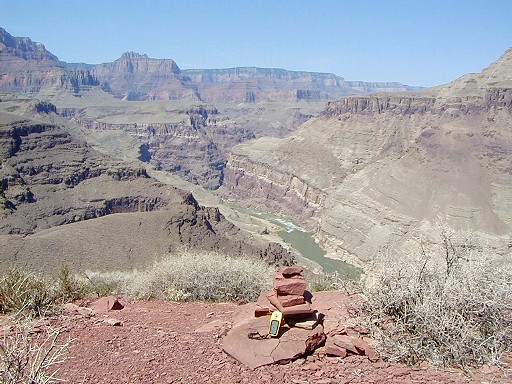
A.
x: 65, y: 202
x: 389, y: 166
x: 194, y: 146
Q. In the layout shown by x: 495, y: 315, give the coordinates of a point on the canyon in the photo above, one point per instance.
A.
x: 369, y: 168
x: 382, y: 169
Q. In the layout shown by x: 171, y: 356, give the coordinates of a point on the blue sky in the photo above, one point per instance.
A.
x: 416, y: 42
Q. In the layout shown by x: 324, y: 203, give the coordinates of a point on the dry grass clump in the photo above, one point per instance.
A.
x: 28, y: 294
x: 192, y: 276
x: 451, y: 306
x: 25, y: 293
x: 28, y: 357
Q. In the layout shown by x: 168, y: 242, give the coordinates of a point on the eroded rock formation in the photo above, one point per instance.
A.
x: 389, y: 166
x: 62, y: 201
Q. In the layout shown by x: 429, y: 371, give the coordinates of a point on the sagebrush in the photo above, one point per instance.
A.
x: 449, y: 304
x: 192, y: 276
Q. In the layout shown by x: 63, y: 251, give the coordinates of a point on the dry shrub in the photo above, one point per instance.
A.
x: 26, y: 294
x: 451, y: 305
x: 28, y: 357
x: 333, y: 282
x: 193, y: 276
x: 70, y: 288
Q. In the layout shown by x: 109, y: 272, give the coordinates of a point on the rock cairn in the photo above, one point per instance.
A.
x: 305, y: 327
x: 288, y: 296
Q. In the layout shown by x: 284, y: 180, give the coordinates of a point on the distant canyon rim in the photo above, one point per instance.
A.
x: 369, y: 168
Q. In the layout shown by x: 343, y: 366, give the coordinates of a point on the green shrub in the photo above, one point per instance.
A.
x: 25, y: 293
x: 450, y: 306
x: 70, y: 288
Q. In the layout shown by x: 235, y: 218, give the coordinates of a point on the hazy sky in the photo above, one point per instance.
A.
x: 416, y: 42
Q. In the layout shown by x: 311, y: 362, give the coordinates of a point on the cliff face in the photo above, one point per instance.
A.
x: 194, y: 146
x: 251, y: 84
x: 137, y: 77
x: 272, y: 188
x: 27, y: 66
x: 25, y: 49
x: 390, y: 165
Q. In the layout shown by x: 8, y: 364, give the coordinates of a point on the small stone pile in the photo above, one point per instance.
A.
x: 288, y: 296
x: 308, y: 325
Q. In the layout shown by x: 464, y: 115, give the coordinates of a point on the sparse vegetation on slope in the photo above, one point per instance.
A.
x: 452, y: 306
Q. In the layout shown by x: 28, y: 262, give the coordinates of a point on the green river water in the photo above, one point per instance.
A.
x: 304, y: 243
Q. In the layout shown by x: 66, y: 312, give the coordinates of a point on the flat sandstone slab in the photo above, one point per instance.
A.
x: 292, y: 343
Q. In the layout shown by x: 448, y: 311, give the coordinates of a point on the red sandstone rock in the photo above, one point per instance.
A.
x: 291, y: 344
x: 113, y: 322
x: 291, y: 300
x: 297, y: 310
x: 263, y: 307
x: 71, y: 309
x: 292, y: 271
x: 105, y: 304
x: 332, y: 349
x: 345, y: 342
x: 289, y: 285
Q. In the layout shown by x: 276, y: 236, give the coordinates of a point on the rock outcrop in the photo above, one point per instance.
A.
x: 137, y: 77
x: 28, y: 67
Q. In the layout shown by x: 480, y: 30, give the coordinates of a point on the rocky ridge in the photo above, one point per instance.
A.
x: 55, y: 186
x: 28, y: 66
x: 252, y: 84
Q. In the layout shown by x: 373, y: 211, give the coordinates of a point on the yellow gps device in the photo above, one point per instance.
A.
x: 275, y: 323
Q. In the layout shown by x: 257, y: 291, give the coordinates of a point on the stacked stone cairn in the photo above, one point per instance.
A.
x: 288, y: 296
x: 304, y: 328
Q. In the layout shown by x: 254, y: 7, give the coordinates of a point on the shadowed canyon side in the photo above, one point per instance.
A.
x: 389, y: 165
x: 63, y: 202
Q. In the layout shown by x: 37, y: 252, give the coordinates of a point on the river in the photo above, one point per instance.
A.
x: 304, y: 243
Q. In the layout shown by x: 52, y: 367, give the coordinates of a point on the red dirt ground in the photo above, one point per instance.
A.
x: 157, y: 342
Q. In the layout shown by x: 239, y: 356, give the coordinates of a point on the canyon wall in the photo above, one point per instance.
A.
x: 63, y: 202
x: 388, y: 168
